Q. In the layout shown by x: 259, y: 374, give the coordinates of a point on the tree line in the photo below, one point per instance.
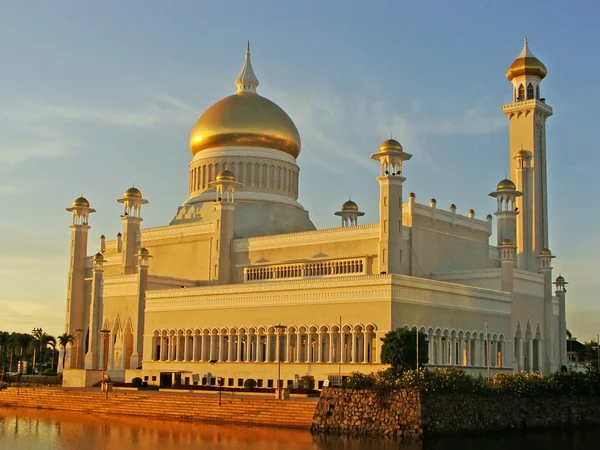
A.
x: 37, y: 351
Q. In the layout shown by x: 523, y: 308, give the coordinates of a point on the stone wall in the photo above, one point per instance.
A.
x: 410, y: 415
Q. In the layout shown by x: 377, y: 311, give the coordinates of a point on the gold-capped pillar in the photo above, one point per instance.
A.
x: 76, y: 298
x: 390, y: 156
x: 527, y: 116
x: 551, y: 340
x: 132, y: 202
x: 561, y: 291
x: 92, y: 357
x: 506, y: 213
x: 225, y: 186
x: 143, y: 262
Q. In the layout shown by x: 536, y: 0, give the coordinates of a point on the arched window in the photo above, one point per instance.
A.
x: 530, y: 92
x: 537, y: 92
x: 521, y: 96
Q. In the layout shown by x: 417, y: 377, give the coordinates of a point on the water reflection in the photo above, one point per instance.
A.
x: 25, y: 429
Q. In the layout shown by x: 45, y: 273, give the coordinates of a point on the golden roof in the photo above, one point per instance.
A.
x: 99, y: 257
x: 560, y: 279
x: 526, y: 64
x: 506, y: 185
x: 506, y: 241
x: 245, y: 119
x: 144, y: 251
x: 546, y: 251
x: 81, y: 202
x: 132, y: 192
x: 390, y: 144
x: 225, y: 175
x: 349, y: 206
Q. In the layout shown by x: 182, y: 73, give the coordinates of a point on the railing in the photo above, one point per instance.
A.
x: 338, y: 267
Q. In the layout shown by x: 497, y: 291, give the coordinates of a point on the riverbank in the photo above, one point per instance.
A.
x: 410, y: 414
x: 182, y: 407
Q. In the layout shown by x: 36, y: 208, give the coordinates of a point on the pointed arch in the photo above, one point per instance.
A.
x: 530, y: 92
x: 521, y: 95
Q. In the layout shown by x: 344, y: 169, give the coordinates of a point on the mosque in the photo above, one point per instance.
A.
x: 241, y: 284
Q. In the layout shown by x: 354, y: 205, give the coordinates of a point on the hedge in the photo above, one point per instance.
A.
x: 35, y: 379
x: 452, y: 380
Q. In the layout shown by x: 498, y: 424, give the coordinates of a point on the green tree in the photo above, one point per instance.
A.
x: 51, y: 346
x: 399, y: 349
x: 4, y: 339
x: 64, y: 340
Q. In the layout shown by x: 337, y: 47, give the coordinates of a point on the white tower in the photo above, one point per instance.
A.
x: 92, y: 357
x: 132, y: 204
x: 506, y: 213
x: 527, y: 116
x: 77, y: 307
x: 390, y: 156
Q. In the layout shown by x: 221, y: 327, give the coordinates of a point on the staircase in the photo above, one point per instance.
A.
x: 169, y: 406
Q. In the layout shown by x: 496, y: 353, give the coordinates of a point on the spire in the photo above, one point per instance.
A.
x: 526, y: 53
x: 246, y: 80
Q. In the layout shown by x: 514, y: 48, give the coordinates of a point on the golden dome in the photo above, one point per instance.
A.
x: 546, y: 251
x: 144, y: 251
x: 560, y: 279
x: 225, y: 175
x: 506, y: 185
x: 526, y: 64
x: 349, y: 206
x: 245, y: 120
x: 99, y: 257
x: 390, y: 144
x: 81, y: 202
x: 132, y: 192
x: 506, y: 241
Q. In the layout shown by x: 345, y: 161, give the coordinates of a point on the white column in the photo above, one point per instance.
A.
x: 185, y: 349
x: 461, y: 350
x: 287, y: 344
x: 330, y: 347
x: 366, y: 347
x: 230, y: 345
x: 277, y: 347
x: 211, y: 351
x: 239, y: 348
x: 540, y: 354
x: 249, y: 346
x: 440, y: 343
x: 259, y: 348
x: 353, y: 349
x: 221, y: 346
x: 170, y: 354
x: 320, y: 347
x: 268, y: 349
x: 477, y: 352
x: 194, y: 347
x: 111, y: 353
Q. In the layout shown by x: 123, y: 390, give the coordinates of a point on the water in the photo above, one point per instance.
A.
x: 28, y: 429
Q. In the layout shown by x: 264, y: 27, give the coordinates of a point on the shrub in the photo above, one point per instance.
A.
x: 137, y: 382
x: 250, y: 383
x: 49, y: 373
x: 399, y: 349
x: 2, y: 385
x: 34, y: 379
x: 307, y: 382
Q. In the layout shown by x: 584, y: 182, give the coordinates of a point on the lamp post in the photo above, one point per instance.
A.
x: 279, y: 329
x: 105, y: 334
x: 78, y: 331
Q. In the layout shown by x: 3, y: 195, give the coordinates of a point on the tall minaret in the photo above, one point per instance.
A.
x: 506, y: 195
x: 132, y: 201
x: 225, y: 186
x: 390, y: 157
x: 92, y: 357
x: 76, y: 295
x: 527, y: 116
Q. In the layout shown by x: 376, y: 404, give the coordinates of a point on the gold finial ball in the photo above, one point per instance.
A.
x: 390, y: 144
x: 132, y: 192
x: 349, y: 206
x: 81, y: 202
x: 506, y: 185
x: 506, y: 241
x: 226, y: 175
x: 144, y: 251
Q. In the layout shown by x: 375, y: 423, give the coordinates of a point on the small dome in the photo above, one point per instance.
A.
x: 526, y: 64
x: 81, y: 202
x: 560, y: 279
x: 132, y: 192
x: 349, y: 206
x: 452, y: 206
x: 99, y: 257
x: 144, y: 251
x: 506, y: 185
x: 506, y: 241
x: 471, y: 211
x: 390, y: 144
x: 225, y: 175
x: 546, y: 251
x: 489, y: 216
x: 433, y: 200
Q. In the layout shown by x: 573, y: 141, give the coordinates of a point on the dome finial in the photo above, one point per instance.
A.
x: 246, y: 81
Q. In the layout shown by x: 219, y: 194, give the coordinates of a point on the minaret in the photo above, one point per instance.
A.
x: 550, y: 360
x: 92, y: 357
x: 390, y: 157
x: 527, y: 116
x: 225, y: 186
x: 526, y: 258
x: 76, y: 296
x: 506, y: 212
x: 561, y: 291
x: 507, y: 260
x: 132, y: 201
x: 349, y: 213
x: 143, y: 260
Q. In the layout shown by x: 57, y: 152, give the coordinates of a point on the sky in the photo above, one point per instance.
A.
x: 95, y: 96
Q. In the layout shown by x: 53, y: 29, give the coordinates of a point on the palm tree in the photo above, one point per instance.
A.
x: 51, y: 344
x: 64, y: 340
x: 24, y: 341
x: 13, y: 346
